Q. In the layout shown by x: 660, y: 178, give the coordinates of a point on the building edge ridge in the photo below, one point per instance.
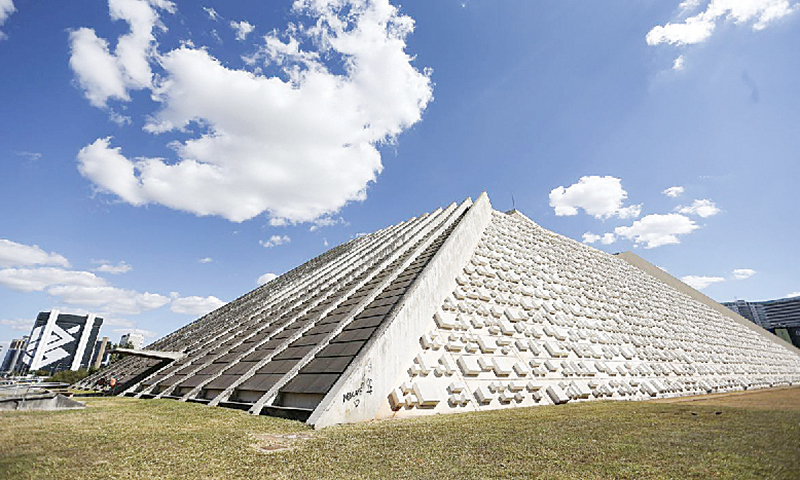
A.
x: 406, y: 326
x: 659, y: 274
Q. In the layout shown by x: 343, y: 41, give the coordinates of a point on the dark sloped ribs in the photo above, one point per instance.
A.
x: 315, y: 379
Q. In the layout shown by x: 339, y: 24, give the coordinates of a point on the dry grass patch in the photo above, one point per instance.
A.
x: 784, y: 398
x: 144, y: 439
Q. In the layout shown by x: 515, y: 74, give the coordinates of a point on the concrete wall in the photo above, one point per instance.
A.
x: 673, y: 282
x: 362, y: 391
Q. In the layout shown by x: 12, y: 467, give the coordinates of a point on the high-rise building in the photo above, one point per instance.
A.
x: 11, y: 362
x: 135, y: 340
x: 99, y: 354
x: 463, y: 309
x: 781, y: 316
x: 61, y: 341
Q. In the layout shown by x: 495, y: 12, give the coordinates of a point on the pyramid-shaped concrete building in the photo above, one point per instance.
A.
x: 462, y: 309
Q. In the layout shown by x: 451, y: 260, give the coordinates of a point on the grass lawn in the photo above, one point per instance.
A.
x: 755, y: 435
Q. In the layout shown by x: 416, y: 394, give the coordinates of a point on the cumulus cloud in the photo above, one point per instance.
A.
x: 679, y: 63
x: 121, y: 267
x: 590, y: 237
x: 298, y: 145
x: 23, y: 324
x: 80, y: 288
x: 37, y: 279
x: 793, y: 294
x: 109, y: 299
x: 274, y: 241
x: 28, y: 268
x: 6, y: 9
x: 657, y: 230
x: 206, y: 260
x: 195, y: 305
x: 605, y: 239
x: 242, y: 29
x: 702, y: 208
x: 743, y: 273
x: 13, y: 254
x: 266, y: 278
x: 673, y: 191
x: 600, y: 197
x: 700, y: 282
x: 698, y: 28
x: 104, y: 75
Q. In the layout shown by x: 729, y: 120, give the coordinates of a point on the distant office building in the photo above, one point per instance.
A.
x: 781, y: 317
x: 61, y: 341
x: 13, y: 355
x: 100, y: 353
x: 136, y: 340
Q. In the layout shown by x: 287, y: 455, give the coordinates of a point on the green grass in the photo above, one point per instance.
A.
x: 132, y: 439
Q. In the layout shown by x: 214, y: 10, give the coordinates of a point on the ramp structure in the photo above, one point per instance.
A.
x: 462, y: 309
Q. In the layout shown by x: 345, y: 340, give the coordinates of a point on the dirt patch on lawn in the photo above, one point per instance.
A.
x: 268, y: 443
x: 780, y: 398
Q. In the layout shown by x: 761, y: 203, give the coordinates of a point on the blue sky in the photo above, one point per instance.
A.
x: 160, y: 158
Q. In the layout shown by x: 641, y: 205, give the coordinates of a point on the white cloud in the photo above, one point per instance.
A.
x: 110, y: 170
x: 679, y: 63
x: 673, y: 192
x: 297, y: 146
x: 22, y: 324
x: 274, y: 241
x: 212, y: 14
x: 118, y: 322
x: 631, y: 211
x: 37, y: 279
x: 242, y: 29
x: 31, y: 156
x: 590, y: 237
x: 688, y: 6
x: 13, y: 254
x: 600, y: 197
x: 702, y: 208
x: 109, y: 299
x: 6, y: 9
x: 195, y: 305
x: 103, y: 75
x: 326, y: 222
x: 206, y: 260
x: 605, y: 239
x: 266, y: 278
x: 793, y: 294
x: 743, y: 273
x: 700, y: 27
x: 121, y: 267
x: 140, y: 331
x: 657, y: 230
x: 118, y: 118
x: 700, y: 282
x: 80, y: 288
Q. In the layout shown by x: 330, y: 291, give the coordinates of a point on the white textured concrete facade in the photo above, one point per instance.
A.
x: 463, y: 309
x: 538, y: 319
